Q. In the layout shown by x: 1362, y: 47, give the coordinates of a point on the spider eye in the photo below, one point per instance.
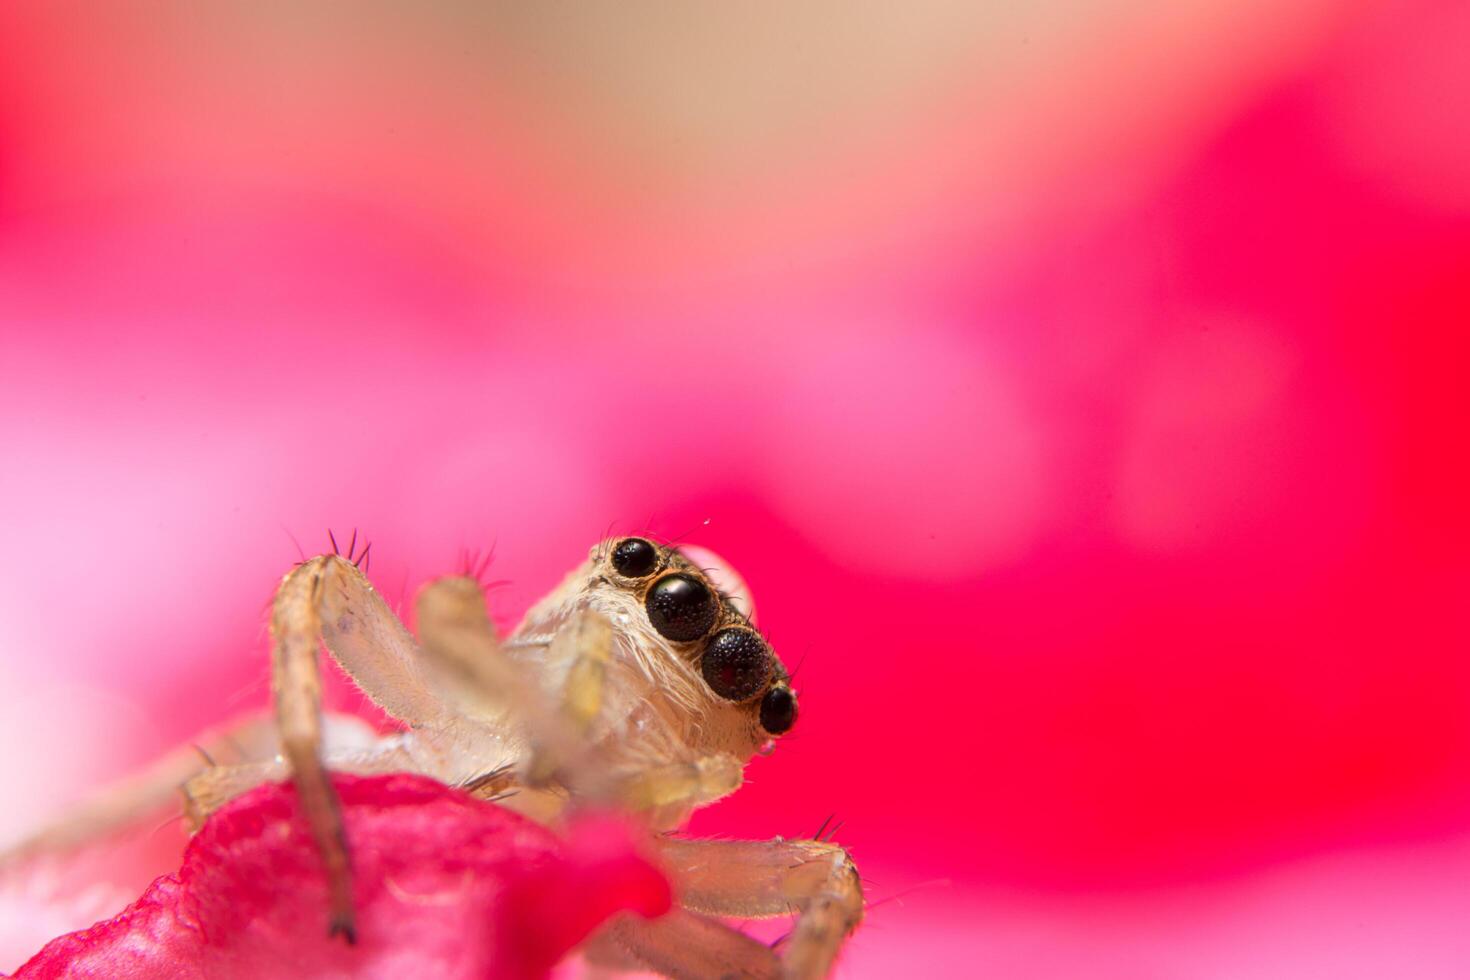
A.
x: 736, y: 664
x: 680, y: 607
x: 778, y: 710
x: 634, y: 558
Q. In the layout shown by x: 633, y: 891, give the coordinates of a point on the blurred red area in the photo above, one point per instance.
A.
x: 1091, y: 430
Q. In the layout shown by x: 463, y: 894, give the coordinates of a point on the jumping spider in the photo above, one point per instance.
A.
x: 638, y: 682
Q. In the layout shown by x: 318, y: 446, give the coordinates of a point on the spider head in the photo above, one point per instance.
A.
x: 688, y: 615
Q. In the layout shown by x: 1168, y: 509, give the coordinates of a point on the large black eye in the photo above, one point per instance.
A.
x: 736, y: 664
x: 634, y: 557
x: 680, y: 607
x: 778, y: 710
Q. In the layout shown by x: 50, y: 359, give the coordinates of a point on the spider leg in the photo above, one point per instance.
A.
x: 461, y: 650
x: 124, y: 804
x: 211, y: 789
x: 328, y: 597
x: 755, y: 879
x: 681, y: 786
x: 683, y: 945
x: 207, y: 791
x: 584, y: 643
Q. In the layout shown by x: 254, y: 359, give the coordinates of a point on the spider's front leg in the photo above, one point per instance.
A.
x: 328, y: 597
x: 463, y: 652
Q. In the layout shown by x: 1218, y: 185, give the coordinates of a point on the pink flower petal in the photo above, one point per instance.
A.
x: 446, y: 886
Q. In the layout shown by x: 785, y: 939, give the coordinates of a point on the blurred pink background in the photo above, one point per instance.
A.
x: 1082, y: 390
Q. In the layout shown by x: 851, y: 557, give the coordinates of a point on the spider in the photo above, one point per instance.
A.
x: 637, y: 682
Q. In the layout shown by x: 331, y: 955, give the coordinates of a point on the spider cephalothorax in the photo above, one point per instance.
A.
x: 687, y: 676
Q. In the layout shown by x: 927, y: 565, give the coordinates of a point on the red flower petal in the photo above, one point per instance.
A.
x: 445, y: 886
